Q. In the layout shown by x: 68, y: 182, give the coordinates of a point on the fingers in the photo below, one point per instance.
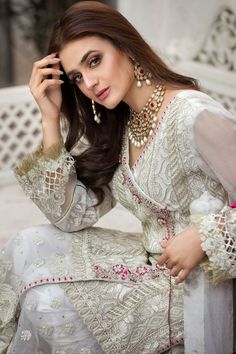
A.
x: 170, y: 263
x: 164, y: 244
x: 175, y: 270
x: 182, y: 276
x: 43, y: 64
x: 45, y: 85
x: 43, y: 74
x: 162, y: 259
x: 39, y: 80
x: 51, y: 71
x: 48, y: 60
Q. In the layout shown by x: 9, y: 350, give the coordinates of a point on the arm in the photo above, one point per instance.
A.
x: 49, y: 179
x: 214, y: 233
x: 215, y: 138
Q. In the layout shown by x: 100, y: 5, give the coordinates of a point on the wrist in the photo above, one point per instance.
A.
x: 51, y: 133
x: 50, y: 122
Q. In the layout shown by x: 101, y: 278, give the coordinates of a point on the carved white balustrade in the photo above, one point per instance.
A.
x: 20, y: 130
x: 215, y: 63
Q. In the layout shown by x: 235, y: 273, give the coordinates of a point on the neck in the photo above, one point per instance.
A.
x: 138, y: 96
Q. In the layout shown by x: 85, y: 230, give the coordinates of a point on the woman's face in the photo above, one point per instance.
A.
x: 101, y: 71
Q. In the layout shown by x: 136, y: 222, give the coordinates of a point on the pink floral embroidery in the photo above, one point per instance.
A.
x: 233, y: 205
x: 123, y: 272
x: 142, y: 270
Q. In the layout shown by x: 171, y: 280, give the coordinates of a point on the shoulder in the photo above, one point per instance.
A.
x: 193, y: 106
x: 199, y: 101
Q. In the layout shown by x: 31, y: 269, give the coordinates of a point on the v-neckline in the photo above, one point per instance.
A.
x: 141, y: 155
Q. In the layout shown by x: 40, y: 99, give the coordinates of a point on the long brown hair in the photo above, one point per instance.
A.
x: 97, y: 164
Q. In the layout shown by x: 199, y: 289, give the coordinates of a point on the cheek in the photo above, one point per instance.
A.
x: 83, y: 89
x: 123, y: 72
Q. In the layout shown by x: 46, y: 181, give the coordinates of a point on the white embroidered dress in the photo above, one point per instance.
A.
x: 73, y: 288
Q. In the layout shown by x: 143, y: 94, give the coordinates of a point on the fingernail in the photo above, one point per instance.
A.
x: 56, y: 59
x: 60, y: 72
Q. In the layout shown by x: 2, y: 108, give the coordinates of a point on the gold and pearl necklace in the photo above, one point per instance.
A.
x: 141, y: 125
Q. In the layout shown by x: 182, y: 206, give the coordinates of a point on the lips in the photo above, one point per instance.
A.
x: 101, y: 95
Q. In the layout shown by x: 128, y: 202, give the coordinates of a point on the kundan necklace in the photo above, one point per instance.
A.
x: 142, y: 124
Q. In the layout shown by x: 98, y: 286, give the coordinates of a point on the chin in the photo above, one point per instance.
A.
x: 111, y: 105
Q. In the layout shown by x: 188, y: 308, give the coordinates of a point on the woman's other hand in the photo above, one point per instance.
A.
x: 182, y: 253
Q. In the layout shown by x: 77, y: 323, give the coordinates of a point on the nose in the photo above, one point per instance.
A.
x: 90, y: 81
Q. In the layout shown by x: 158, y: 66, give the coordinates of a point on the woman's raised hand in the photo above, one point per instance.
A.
x: 47, y: 91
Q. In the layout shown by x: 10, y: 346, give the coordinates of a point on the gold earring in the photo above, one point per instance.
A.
x: 97, y: 116
x: 140, y: 75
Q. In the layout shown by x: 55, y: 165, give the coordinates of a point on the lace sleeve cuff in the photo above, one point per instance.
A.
x: 48, y: 178
x: 31, y: 160
x: 218, y: 242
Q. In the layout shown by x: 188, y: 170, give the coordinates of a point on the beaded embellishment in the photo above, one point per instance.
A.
x: 142, y: 124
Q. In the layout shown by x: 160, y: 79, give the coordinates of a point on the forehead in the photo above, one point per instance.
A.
x: 72, y: 53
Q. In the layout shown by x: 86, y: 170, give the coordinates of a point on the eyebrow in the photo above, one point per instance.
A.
x: 85, y: 56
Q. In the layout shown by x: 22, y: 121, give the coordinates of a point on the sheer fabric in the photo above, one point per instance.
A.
x: 215, y: 141
x: 49, y: 179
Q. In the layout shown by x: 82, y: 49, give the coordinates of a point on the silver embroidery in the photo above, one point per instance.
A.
x: 85, y: 351
x: 46, y: 330
x: 45, y: 183
x: 70, y: 328
x: 25, y: 335
x: 56, y: 303
x: 31, y: 306
x: 38, y: 241
x: 39, y: 262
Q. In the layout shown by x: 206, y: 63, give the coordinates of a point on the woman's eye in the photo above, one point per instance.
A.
x: 77, y: 78
x: 94, y: 61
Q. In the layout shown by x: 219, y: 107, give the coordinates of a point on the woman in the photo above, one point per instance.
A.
x: 153, y: 142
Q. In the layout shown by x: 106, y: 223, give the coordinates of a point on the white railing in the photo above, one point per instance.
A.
x: 20, y: 130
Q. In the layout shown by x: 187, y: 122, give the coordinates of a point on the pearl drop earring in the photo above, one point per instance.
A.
x: 97, y: 116
x: 140, y: 75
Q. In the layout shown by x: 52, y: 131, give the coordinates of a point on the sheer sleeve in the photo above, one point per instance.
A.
x: 49, y: 179
x: 215, y: 139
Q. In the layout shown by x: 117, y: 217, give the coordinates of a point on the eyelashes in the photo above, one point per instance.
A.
x: 76, y: 78
x: 92, y: 63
